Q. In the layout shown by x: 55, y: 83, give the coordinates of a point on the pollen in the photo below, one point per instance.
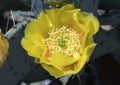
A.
x: 65, y: 40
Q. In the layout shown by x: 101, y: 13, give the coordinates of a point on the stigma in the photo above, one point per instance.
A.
x: 65, y: 40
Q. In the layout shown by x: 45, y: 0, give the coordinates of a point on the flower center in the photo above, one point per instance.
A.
x: 64, y: 40
x: 61, y: 42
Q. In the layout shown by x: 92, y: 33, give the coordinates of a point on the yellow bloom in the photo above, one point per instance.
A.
x: 61, y: 40
x: 3, y: 49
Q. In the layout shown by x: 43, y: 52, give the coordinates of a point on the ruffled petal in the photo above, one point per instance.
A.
x: 66, y: 7
x: 45, y: 24
x: 61, y: 59
x: 34, y: 46
x: 54, y: 16
x: 34, y: 28
x: 92, y: 23
x: 89, y: 21
x: 80, y: 63
x: 53, y: 70
x: 70, y: 18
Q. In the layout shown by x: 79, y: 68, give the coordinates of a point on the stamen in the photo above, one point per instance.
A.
x: 64, y: 40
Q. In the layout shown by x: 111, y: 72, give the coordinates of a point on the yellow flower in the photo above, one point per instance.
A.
x: 61, y: 40
x: 3, y: 49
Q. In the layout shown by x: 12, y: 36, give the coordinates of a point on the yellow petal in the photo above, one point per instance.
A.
x: 89, y: 21
x: 4, y: 45
x: 67, y: 7
x: 84, y: 57
x: 34, y: 28
x: 52, y: 70
x: 89, y: 50
x: 80, y: 64
x: 45, y: 24
x: 2, y: 57
x: 92, y: 23
x: 91, y: 27
x: 61, y: 59
x: 70, y: 18
x: 54, y: 16
x: 87, y: 39
x: 34, y: 46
